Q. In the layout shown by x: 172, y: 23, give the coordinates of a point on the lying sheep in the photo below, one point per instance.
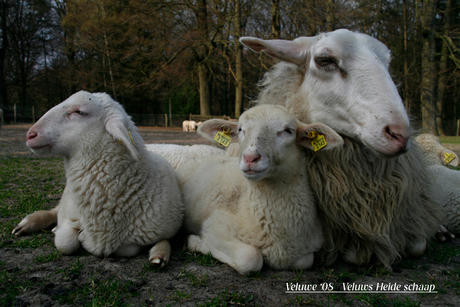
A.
x: 262, y: 209
x: 434, y: 153
x: 446, y: 183
x: 118, y: 196
x: 176, y: 155
x: 373, y: 195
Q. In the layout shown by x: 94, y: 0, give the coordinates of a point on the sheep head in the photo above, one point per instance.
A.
x: 79, y: 122
x: 269, y: 136
x: 344, y: 82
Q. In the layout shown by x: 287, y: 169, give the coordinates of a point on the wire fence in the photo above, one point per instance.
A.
x: 32, y: 114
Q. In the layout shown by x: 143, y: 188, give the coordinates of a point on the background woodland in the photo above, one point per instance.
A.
x: 161, y: 56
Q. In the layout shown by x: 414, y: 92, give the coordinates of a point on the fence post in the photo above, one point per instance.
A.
x: 14, y: 113
x: 458, y: 126
x: 1, y: 118
x: 170, y: 116
x: 166, y: 120
x: 33, y: 114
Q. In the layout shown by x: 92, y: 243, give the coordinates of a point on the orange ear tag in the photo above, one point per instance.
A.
x: 223, y: 137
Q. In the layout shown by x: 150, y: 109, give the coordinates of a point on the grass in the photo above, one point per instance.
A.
x: 229, y: 299
x: 449, y: 139
x: 29, y: 184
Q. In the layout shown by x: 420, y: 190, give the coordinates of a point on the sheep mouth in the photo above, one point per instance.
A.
x: 254, y: 174
x: 39, y: 147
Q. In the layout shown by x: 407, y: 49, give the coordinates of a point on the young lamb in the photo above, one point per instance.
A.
x: 434, y: 153
x: 373, y: 199
x: 176, y: 155
x: 118, y: 196
x: 262, y: 209
x: 446, y: 183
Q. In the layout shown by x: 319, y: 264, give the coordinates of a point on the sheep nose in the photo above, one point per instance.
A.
x: 400, y: 137
x: 251, y: 158
x: 31, y: 135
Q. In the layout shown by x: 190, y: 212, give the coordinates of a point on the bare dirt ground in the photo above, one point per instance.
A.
x: 41, y: 277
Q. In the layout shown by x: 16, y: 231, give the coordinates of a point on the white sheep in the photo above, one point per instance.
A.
x: 186, y: 126
x: 192, y: 125
x: 433, y: 152
x: 262, y: 209
x: 118, y: 196
x: 373, y: 195
x: 176, y: 155
x: 446, y: 183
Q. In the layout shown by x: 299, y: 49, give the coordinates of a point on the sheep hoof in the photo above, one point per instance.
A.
x: 443, y: 234
x: 159, y: 254
x: 35, y: 222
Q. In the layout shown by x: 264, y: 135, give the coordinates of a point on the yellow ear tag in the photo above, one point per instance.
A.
x: 448, y: 157
x: 318, y: 141
x: 223, y: 137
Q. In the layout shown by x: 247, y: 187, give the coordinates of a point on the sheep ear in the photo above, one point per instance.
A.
x: 295, y: 51
x: 117, y: 129
x: 332, y: 138
x: 211, y: 127
x: 446, y: 156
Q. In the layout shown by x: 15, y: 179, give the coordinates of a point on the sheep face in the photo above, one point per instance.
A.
x: 268, y: 136
x: 79, y: 123
x: 343, y: 81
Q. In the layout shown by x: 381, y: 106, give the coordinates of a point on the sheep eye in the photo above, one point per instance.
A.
x: 289, y: 130
x: 80, y: 113
x: 323, y: 61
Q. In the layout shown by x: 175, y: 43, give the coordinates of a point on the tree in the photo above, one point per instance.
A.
x: 427, y: 99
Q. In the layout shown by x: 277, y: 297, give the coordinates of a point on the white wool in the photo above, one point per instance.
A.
x: 118, y: 196
x: 446, y: 184
x: 257, y: 208
x: 176, y: 155
x: 433, y: 151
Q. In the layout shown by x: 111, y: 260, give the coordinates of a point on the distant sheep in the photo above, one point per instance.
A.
x: 176, y: 155
x: 373, y: 195
x: 256, y: 208
x: 186, y: 126
x: 192, y: 125
x: 118, y: 196
x: 433, y: 152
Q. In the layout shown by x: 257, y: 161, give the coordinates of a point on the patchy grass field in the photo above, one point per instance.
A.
x: 33, y: 273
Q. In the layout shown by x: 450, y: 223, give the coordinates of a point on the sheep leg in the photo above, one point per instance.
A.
x: 159, y: 254
x: 443, y: 234
x: 243, y: 257
x: 128, y: 251
x: 66, y: 238
x: 417, y: 248
x: 304, y: 262
x: 36, y: 221
x: 356, y: 256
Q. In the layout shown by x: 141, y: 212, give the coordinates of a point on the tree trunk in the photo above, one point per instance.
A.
x: 238, y: 60
x: 205, y: 93
x: 442, y: 71
x: 203, y: 75
x: 4, y: 40
x: 406, y: 64
x: 428, y: 67
x: 276, y: 24
x: 330, y: 15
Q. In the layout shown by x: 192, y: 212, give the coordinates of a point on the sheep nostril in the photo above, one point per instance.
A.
x: 31, y: 135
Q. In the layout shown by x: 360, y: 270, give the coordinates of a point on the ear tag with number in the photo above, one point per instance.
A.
x: 448, y: 157
x: 318, y: 141
x: 223, y: 137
